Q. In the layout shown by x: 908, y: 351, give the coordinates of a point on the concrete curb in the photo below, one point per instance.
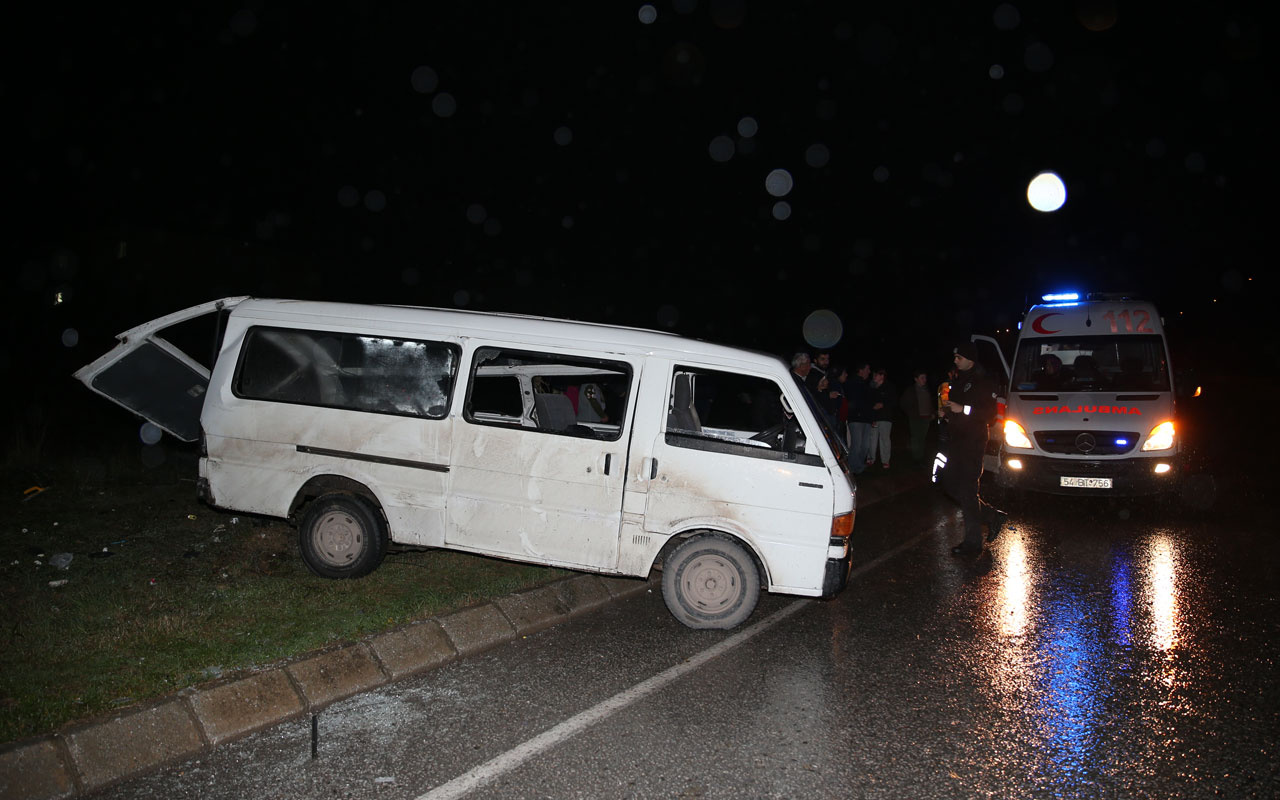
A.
x: 96, y: 754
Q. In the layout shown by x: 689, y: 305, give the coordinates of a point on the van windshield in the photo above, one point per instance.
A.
x: 1128, y: 363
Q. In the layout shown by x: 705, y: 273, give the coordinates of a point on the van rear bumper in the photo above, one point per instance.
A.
x: 1129, y: 476
x: 837, y: 574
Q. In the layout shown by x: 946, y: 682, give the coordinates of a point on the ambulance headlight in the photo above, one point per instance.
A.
x: 1015, y: 435
x: 1160, y: 438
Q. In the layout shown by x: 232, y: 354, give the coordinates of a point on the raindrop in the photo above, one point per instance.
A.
x: 348, y: 196
x: 778, y: 183
x: 748, y: 127
x: 1038, y: 57
x: 424, y: 80
x: 880, y: 174
x: 817, y: 155
x: 563, y: 136
x: 721, y: 149
x: 461, y: 298
x: 476, y: 214
x: 149, y: 433
x: 823, y: 328
x: 70, y: 337
x: 781, y: 210
x: 1006, y: 17
x: 996, y: 72
x: 244, y: 22
x: 444, y: 105
x: 648, y: 14
x: 375, y: 200
x: 668, y: 316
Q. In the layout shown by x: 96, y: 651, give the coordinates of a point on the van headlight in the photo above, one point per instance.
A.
x: 1160, y: 438
x: 1015, y: 435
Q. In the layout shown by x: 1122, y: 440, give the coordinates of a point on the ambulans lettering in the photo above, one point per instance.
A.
x: 1086, y: 410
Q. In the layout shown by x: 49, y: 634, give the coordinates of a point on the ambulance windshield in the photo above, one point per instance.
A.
x: 1129, y: 363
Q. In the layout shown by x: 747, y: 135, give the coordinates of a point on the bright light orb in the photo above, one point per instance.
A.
x: 1046, y: 192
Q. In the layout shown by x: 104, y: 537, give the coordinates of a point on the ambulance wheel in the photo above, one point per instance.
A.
x: 342, y: 536
x: 710, y: 582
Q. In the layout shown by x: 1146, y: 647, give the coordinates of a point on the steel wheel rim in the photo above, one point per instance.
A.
x: 338, y: 538
x: 712, y: 584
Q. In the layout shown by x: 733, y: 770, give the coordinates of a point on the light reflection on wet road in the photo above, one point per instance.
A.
x: 1095, y: 650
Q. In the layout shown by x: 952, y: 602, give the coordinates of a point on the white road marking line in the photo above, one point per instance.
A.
x: 495, y: 767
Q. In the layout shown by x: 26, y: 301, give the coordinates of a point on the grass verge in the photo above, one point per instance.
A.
x: 163, y: 592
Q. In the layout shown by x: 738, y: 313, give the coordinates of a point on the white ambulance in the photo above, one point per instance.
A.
x: 1090, y: 401
x: 590, y: 447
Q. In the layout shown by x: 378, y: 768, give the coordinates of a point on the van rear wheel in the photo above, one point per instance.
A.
x: 710, y: 582
x: 342, y: 536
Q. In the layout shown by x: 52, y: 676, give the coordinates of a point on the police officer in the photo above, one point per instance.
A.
x: 971, y: 409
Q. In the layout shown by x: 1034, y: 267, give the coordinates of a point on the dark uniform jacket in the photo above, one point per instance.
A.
x: 977, y: 392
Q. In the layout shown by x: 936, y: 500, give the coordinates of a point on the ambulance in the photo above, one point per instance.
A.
x: 1089, y: 407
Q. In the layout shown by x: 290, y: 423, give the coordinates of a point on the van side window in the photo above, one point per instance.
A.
x: 344, y: 370
x: 548, y: 392
x: 728, y: 412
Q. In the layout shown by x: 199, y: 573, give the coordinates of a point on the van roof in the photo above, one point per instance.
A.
x: 517, y: 328
x: 1092, y: 318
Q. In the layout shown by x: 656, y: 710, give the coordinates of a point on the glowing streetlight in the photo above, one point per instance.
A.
x: 1046, y: 192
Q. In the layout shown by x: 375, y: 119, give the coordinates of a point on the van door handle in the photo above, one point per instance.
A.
x: 653, y: 468
x: 608, y: 459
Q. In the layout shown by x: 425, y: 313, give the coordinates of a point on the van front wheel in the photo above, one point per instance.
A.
x: 710, y: 582
x: 341, y: 536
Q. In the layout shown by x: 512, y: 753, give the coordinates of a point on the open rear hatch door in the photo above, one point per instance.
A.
x: 154, y: 378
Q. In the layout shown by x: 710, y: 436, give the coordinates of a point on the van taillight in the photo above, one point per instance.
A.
x: 842, y: 526
x: 1001, y: 407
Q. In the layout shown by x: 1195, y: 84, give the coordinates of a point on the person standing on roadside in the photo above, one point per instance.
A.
x: 971, y: 407
x: 918, y: 404
x: 861, y: 415
x: 882, y: 408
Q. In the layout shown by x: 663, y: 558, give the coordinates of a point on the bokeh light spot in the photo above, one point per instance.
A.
x: 443, y: 105
x: 781, y: 210
x: 822, y: 329
x: 779, y: 183
x: 424, y: 80
x: 647, y: 14
x: 149, y: 433
x: 70, y: 337
x: 721, y: 149
x: 817, y: 155
x: 1046, y: 192
x: 748, y: 127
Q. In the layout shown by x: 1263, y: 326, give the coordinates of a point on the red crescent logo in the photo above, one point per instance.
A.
x: 1038, y: 325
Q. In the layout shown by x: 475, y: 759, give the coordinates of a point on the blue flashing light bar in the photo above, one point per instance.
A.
x: 1060, y: 297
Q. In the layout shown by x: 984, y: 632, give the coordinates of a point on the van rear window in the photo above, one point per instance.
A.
x: 383, y: 375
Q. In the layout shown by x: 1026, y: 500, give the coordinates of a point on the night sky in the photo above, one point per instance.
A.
x: 611, y: 162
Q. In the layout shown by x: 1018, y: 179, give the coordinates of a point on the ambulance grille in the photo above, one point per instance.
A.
x: 1087, y: 443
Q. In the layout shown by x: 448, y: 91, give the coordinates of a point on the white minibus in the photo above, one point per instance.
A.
x: 590, y: 447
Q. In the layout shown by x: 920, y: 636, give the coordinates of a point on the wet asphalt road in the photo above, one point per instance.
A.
x: 1099, y: 649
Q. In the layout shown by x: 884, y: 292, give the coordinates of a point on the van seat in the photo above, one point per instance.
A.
x: 555, y: 411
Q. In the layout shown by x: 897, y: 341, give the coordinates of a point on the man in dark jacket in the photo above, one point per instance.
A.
x: 971, y: 409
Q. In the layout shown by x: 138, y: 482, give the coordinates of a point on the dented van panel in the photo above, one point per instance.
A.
x: 545, y: 441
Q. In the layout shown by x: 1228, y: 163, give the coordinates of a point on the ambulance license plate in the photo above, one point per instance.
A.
x: 1085, y: 483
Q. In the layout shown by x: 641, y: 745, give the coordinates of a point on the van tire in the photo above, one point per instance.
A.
x: 341, y: 536
x: 710, y: 582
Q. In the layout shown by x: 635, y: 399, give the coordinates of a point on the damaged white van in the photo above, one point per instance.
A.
x: 590, y: 447
x: 1090, y: 400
